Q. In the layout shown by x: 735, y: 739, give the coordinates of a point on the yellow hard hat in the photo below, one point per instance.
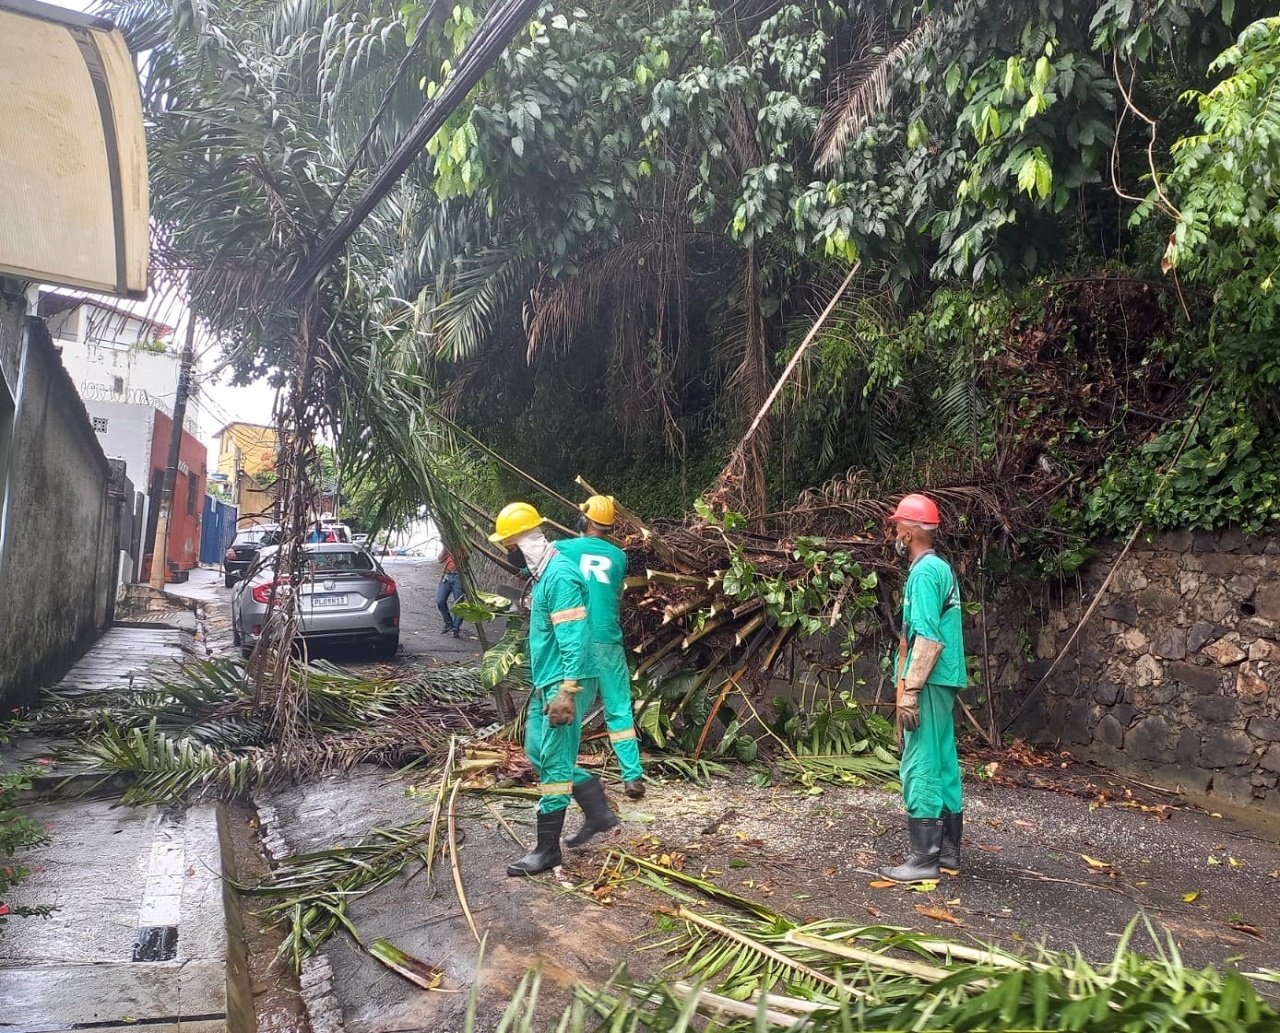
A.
x: 514, y: 520
x: 600, y: 510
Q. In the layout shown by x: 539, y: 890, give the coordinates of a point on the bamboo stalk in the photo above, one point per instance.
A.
x: 453, y: 860
x: 703, y: 631
x: 703, y: 678
x: 750, y: 606
x: 795, y: 359
x: 772, y: 654
x: 670, y: 613
x: 750, y: 628
x: 768, y: 952
x: 636, y: 581
x: 529, y: 478
x: 729, y: 683
x: 666, y: 577
x: 643, y: 645
x: 648, y: 663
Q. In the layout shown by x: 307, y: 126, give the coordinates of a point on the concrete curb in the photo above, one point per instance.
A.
x: 241, y: 1014
x: 324, y: 1011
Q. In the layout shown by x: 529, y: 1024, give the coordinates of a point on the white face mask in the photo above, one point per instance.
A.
x: 537, y: 550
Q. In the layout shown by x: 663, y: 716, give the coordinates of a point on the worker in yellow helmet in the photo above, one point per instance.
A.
x: 564, y: 687
x: 604, y: 567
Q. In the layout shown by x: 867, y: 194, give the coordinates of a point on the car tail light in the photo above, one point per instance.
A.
x: 231, y: 554
x: 388, y: 586
x: 264, y: 592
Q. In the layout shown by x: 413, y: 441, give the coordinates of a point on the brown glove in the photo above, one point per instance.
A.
x: 563, y: 707
x: 908, y: 713
x: 924, y: 655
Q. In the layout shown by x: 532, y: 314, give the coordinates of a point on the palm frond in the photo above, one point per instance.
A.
x: 472, y: 302
x: 864, y: 87
x: 505, y: 655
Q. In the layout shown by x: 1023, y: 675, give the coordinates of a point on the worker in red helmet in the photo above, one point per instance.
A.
x: 931, y: 671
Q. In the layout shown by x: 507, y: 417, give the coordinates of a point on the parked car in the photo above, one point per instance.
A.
x: 242, y: 552
x: 346, y: 597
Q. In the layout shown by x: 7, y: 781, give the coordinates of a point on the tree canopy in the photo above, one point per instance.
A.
x: 1064, y: 215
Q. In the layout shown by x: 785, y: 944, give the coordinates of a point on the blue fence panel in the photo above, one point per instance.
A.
x: 217, y: 530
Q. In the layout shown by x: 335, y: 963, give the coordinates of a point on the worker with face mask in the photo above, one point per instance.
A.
x: 931, y: 671
x: 604, y: 567
x: 564, y: 688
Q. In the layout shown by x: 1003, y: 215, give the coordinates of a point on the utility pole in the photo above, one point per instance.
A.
x: 160, y: 543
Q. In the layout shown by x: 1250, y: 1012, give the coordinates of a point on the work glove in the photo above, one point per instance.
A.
x: 908, y: 711
x: 563, y: 706
x: 924, y: 655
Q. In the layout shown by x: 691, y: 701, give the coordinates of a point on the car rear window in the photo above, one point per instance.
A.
x: 258, y: 536
x: 323, y: 562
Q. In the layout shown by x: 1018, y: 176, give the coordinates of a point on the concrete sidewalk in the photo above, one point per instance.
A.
x: 140, y: 931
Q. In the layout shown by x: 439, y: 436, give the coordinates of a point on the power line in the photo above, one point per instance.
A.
x: 498, y: 27
x: 396, y: 81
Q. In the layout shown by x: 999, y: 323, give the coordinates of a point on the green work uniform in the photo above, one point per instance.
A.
x: 604, y: 567
x: 559, y: 649
x: 930, y: 768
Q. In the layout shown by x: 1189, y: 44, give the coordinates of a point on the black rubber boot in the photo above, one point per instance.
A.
x: 634, y: 788
x: 952, y: 833
x: 546, y: 855
x: 926, y: 844
x: 598, y: 814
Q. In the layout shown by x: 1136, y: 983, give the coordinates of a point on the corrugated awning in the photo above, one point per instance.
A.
x: 73, y: 158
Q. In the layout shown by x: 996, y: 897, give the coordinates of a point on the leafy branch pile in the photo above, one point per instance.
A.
x: 752, y: 968
x: 739, y: 596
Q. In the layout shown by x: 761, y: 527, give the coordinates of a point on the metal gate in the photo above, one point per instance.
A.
x: 217, y: 530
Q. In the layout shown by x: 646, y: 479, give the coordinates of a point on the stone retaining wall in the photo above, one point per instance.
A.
x: 1176, y: 677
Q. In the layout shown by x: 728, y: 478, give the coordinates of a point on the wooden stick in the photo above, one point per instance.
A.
x: 795, y: 359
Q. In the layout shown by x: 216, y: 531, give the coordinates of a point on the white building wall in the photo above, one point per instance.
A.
x: 125, y: 432
x: 100, y: 350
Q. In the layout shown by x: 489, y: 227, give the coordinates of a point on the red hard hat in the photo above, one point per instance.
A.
x: 919, y: 509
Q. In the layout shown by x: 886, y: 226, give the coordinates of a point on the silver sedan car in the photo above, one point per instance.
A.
x: 345, y: 596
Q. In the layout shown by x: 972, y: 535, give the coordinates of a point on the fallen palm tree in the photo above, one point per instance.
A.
x: 202, y: 731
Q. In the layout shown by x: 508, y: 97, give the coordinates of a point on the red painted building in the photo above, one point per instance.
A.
x: 188, y: 494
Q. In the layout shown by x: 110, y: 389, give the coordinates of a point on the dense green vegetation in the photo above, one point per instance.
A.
x: 1064, y: 215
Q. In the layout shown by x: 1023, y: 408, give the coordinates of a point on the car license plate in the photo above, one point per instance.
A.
x: 329, y: 600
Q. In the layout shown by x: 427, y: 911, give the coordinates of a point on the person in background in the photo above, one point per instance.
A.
x: 604, y: 567
x: 448, y: 588
x: 564, y: 688
x: 931, y: 671
x: 317, y: 534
